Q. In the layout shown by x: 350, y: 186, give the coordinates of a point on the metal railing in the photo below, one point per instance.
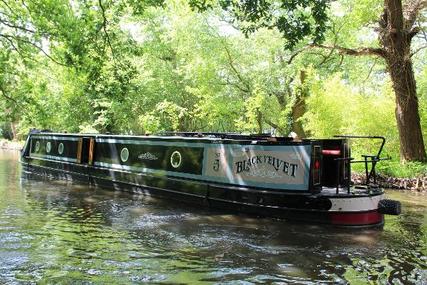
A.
x: 370, y: 161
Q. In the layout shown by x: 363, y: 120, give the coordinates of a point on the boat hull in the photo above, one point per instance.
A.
x: 322, y: 208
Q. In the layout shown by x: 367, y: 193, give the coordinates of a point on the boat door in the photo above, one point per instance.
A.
x: 85, y: 150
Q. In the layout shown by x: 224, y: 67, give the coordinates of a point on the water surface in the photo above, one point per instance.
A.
x: 58, y: 232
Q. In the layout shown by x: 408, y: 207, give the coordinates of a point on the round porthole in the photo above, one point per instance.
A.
x: 48, y: 147
x: 124, y: 154
x: 37, y: 147
x: 176, y: 159
x: 61, y: 148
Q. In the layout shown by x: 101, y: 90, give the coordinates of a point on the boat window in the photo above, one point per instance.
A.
x: 124, y: 154
x: 48, y: 147
x: 176, y: 159
x: 37, y: 148
x: 61, y: 148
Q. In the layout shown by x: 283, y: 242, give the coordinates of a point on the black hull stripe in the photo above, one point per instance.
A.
x: 94, y: 177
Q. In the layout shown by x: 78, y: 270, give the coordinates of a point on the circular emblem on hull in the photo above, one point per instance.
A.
x: 48, y: 147
x: 37, y: 147
x: 61, y: 148
x: 176, y: 159
x: 124, y: 154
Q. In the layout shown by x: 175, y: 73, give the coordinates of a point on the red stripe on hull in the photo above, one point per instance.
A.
x: 357, y: 219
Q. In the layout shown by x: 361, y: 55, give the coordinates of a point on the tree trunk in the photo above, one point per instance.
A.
x: 259, y: 121
x: 13, y: 130
x: 395, y: 38
x: 299, y: 108
x: 407, y: 116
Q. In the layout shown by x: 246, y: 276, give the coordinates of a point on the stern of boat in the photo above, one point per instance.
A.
x: 351, y: 204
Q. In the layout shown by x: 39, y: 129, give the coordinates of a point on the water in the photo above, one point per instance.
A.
x: 58, y: 232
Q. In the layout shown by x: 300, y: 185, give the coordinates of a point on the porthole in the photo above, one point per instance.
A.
x: 176, y: 159
x: 124, y: 154
x: 48, y: 147
x: 37, y: 147
x: 61, y: 148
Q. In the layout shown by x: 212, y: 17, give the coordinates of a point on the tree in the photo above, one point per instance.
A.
x: 396, y: 30
x: 298, y: 20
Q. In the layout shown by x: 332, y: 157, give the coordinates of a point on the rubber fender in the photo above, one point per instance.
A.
x: 389, y: 207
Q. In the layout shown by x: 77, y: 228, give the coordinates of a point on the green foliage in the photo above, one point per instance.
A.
x: 295, y: 19
x: 336, y: 108
x: 396, y: 169
x: 422, y: 94
x: 136, y: 67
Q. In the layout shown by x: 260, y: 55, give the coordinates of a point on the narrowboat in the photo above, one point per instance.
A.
x: 299, y: 180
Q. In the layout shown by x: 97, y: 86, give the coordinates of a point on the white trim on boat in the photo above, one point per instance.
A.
x: 52, y: 157
x: 50, y: 137
x: 355, y: 204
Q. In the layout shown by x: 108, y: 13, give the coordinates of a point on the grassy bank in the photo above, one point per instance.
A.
x: 394, y: 175
x: 402, y: 170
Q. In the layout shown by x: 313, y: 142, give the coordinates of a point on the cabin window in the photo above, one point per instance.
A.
x: 48, y: 147
x: 37, y: 147
x: 124, y: 154
x: 176, y: 159
x: 61, y: 148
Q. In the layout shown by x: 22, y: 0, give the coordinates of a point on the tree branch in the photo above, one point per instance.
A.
x: 276, y: 126
x: 10, y: 8
x: 104, y: 26
x: 12, y: 44
x: 16, y: 38
x: 236, y: 72
x: 417, y: 50
x: 411, y: 11
x: 10, y: 25
x: 371, y: 69
x: 353, y: 52
x: 3, y: 92
x: 242, y: 89
x: 342, y: 51
x: 297, y: 53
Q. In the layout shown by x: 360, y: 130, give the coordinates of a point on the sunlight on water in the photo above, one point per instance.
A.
x: 59, y: 232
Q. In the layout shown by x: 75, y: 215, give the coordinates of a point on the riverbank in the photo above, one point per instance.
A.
x: 399, y: 183
x: 11, y: 145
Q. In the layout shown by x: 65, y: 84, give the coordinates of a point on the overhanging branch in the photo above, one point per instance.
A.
x: 13, y: 26
x: 417, y: 50
x: 104, y: 26
x: 236, y: 72
x: 342, y: 51
x: 26, y: 41
x: 411, y: 11
x: 3, y: 93
x: 353, y: 52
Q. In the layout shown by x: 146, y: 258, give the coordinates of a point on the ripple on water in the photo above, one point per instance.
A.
x: 12, y: 260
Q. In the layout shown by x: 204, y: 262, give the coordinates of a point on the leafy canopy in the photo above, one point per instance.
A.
x: 295, y: 19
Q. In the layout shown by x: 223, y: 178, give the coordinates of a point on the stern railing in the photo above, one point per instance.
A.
x: 369, y: 160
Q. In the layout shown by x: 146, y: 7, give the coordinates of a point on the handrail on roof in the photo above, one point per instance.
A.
x: 224, y: 135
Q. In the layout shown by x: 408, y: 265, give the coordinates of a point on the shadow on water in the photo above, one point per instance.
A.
x: 60, y: 232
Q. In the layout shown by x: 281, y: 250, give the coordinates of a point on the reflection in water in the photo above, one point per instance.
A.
x: 59, y: 232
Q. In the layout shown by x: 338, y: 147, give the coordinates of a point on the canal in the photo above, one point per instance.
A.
x: 59, y: 232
